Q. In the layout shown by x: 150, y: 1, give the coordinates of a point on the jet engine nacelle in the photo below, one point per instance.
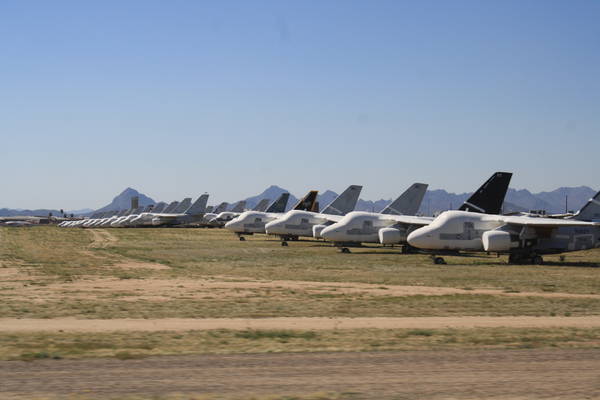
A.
x: 317, y: 230
x: 496, y: 241
x: 391, y: 236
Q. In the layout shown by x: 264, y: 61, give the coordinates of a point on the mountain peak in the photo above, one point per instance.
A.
x: 123, y: 200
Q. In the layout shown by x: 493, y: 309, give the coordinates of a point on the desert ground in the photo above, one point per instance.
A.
x: 195, y: 313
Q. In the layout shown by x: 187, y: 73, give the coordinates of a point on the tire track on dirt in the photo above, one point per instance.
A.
x: 101, y: 238
x: 293, y: 323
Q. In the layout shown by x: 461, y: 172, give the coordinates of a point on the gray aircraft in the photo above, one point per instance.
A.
x: 524, y: 238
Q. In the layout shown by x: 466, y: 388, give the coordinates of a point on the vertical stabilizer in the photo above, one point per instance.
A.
x: 489, y: 197
x: 345, y: 202
x: 183, y: 206
x: 262, y: 205
x: 307, y: 203
x: 159, y: 207
x: 135, y: 202
x: 239, y: 207
x: 199, y: 206
x: 590, y: 211
x: 278, y: 206
x: 221, y: 207
x: 407, y: 203
x: 169, y: 209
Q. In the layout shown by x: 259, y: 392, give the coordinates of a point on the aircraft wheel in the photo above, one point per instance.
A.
x: 439, y: 261
x: 537, y: 260
x: 242, y: 239
x: 406, y: 249
x: 284, y: 244
x: 345, y: 250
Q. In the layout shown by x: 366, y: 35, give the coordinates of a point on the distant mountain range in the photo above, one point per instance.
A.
x: 439, y: 200
x: 435, y: 201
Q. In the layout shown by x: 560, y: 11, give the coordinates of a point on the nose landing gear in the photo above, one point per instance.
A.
x: 438, y: 260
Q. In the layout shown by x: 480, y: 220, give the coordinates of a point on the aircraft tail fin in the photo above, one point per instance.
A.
x: 345, y: 202
x: 590, y: 211
x: 307, y: 203
x: 209, y: 209
x: 489, y: 197
x: 262, y: 205
x: 135, y: 202
x: 315, y: 207
x: 159, y: 207
x: 221, y: 207
x: 199, y: 206
x: 407, y: 203
x: 239, y: 207
x: 183, y: 206
x: 278, y: 206
x: 169, y: 209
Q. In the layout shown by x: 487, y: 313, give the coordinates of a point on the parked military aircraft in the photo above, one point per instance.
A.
x: 250, y: 222
x: 193, y: 213
x: 208, y: 216
x: 226, y: 216
x: 363, y: 227
x: 523, y: 238
x: 296, y: 223
x: 394, y: 229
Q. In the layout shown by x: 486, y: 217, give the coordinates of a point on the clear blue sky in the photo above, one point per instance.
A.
x: 175, y: 98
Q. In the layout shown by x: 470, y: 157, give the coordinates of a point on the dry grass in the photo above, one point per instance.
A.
x: 128, y: 345
x: 46, y: 266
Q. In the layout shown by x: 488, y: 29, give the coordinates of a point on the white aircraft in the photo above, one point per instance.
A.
x: 523, y: 238
x: 208, y: 216
x: 251, y: 222
x: 296, y: 223
x: 191, y: 214
x: 488, y: 198
x: 363, y: 227
x: 222, y: 218
x: 145, y: 218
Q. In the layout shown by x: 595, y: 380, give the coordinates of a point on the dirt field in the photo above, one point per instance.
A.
x: 91, y: 310
x: 532, y: 374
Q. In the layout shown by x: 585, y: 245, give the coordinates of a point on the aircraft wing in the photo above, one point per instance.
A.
x: 333, y: 218
x: 544, y: 222
x: 411, y: 220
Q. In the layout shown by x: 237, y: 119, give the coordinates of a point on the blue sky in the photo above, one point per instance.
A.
x: 177, y: 98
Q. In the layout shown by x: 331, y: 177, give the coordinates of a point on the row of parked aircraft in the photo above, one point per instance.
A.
x: 184, y: 213
x: 478, y: 224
